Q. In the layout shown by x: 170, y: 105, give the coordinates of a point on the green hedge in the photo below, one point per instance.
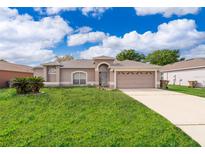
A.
x: 28, y: 85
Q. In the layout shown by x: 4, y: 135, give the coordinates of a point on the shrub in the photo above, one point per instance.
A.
x: 21, y: 85
x: 36, y: 83
x: 28, y: 85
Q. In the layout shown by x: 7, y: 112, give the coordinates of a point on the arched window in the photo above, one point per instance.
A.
x: 79, y: 78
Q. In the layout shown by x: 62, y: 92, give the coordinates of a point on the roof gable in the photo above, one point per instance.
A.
x: 104, y: 57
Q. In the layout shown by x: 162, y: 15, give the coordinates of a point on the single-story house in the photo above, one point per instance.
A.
x: 100, y: 71
x: 180, y: 73
x: 9, y: 71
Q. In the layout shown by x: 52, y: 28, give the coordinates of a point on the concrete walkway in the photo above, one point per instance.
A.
x: 185, y: 111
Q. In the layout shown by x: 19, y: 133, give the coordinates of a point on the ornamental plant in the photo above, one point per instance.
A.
x: 36, y: 83
x: 28, y: 85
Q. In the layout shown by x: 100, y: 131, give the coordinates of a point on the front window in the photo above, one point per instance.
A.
x: 51, y: 70
x: 79, y: 78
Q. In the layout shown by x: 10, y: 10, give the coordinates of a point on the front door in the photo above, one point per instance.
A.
x: 103, y: 79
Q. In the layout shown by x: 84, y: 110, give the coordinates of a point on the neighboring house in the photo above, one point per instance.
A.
x: 9, y: 71
x: 100, y: 71
x: 180, y: 73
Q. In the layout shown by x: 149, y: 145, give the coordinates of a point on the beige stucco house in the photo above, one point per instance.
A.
x: 100, y: 71
x: 180, y: 73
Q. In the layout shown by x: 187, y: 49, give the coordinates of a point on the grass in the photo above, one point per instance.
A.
x: 191, y: 91
x: 83, y: 116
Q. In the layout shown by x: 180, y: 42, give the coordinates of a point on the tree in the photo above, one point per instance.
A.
x: 3, y: 60
x: 64, y: 58
x: 130, y: 55
x: 163, y: 57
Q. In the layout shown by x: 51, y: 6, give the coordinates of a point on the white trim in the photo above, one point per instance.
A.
x: 91, y: 83
x: 65, y: 82
x: 86, y: 76
x: 155, y: 79
x: 101, y: 64
x: 51, y: 73
x: 111, y: 83
x: 182, y: 69
x: 52, y: 83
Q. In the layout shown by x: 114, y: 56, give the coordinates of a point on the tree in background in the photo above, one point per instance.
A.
x: 3, y: 60
x: 130, y: 55
x: 163, y: 57
x: 64, y: 58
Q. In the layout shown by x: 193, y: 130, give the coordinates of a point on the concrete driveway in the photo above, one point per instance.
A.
x: 185, y: 111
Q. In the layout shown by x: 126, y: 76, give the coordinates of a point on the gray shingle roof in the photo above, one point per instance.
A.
x: 81, y: 63
x: 103, y: 57
x: 51, y: 64
x: 38, y: 67
x: 6, y: 66
x: 132, y: 64
x: 187, y: 64
x: 87, y: 63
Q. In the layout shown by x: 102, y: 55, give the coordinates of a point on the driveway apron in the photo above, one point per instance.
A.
x: 185, y: 111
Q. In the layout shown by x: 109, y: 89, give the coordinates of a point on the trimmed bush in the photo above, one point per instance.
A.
x: 36, y: 83
x: 21, y: 85
x: 28, y: 85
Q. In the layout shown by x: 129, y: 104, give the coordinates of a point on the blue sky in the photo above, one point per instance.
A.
x: 43, y: 33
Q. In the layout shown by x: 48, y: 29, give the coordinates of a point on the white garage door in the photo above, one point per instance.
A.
x: 135, y: 79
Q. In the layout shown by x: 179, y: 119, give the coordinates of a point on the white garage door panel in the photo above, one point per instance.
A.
x: 135, y: 80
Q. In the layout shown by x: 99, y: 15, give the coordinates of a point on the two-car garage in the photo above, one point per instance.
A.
x: 135, y: 79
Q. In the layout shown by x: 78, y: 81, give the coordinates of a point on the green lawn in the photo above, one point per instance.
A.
x: 83, y: 117
x: 184, y: 89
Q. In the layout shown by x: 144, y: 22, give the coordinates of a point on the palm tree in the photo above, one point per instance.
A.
x: 64, y: 58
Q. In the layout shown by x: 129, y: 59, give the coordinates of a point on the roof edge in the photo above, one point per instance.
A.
x: 179, y: 69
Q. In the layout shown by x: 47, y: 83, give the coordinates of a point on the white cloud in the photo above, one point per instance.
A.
x: 94, y: 11
x: 87, y: 11
x: 178, y: 34
x: 82, y: 38
x: 54, y: 10
x: 198, y: 51
x: 166, y: 11
x: 84, y: 29
x: 26, y: 41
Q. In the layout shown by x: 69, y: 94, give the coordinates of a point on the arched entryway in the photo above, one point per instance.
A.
x: 103, y: 75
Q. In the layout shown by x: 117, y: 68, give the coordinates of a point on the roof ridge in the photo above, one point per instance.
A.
x: 16, y: 64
